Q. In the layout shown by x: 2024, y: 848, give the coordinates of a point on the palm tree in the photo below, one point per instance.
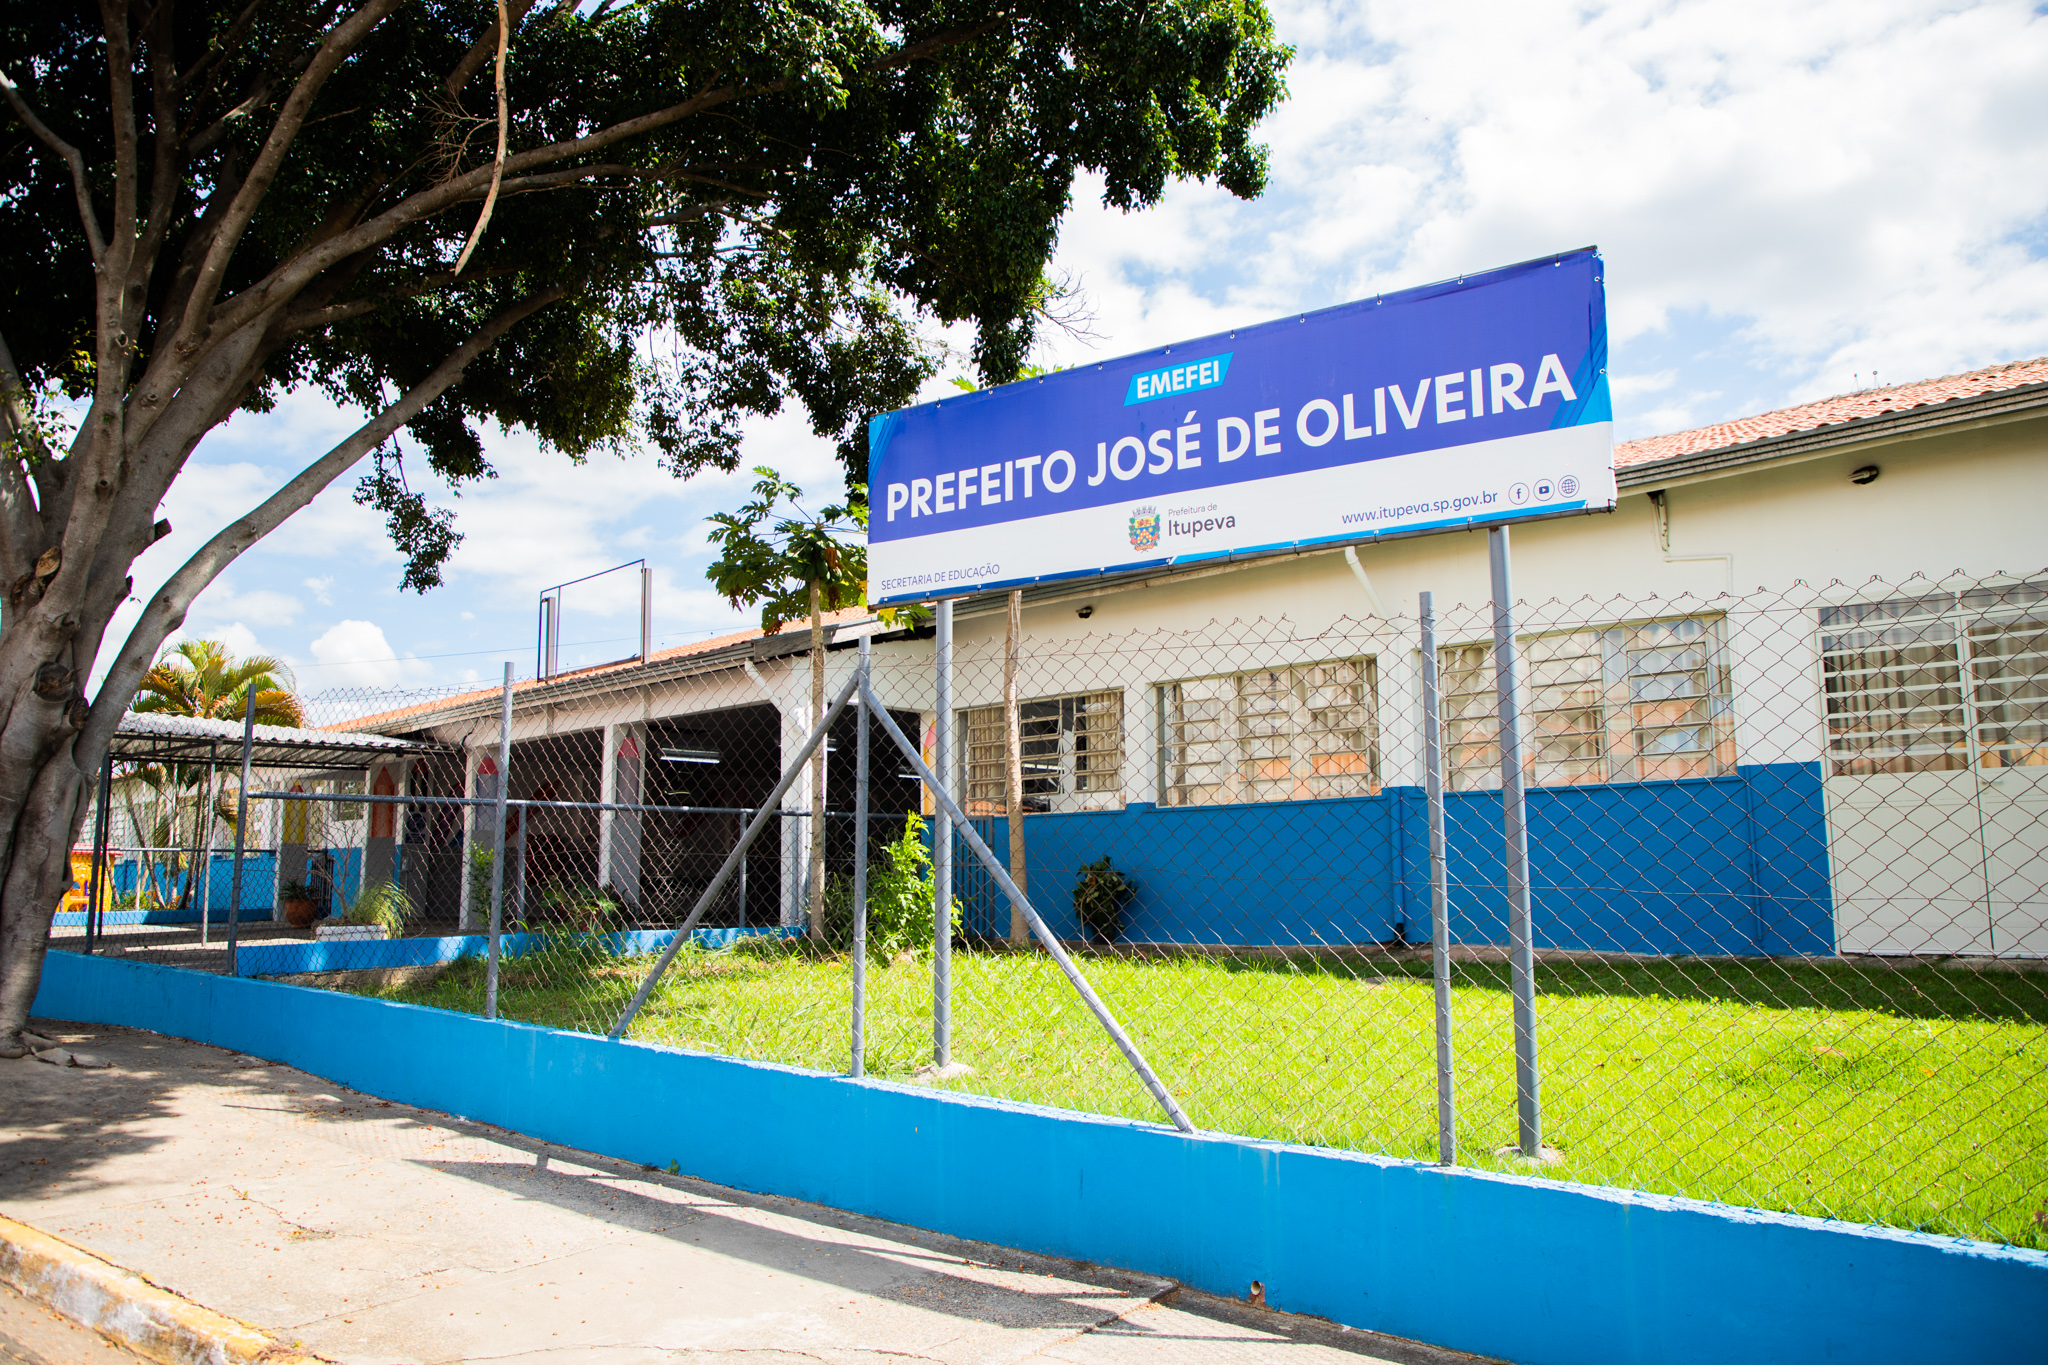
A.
x: 201, y: 678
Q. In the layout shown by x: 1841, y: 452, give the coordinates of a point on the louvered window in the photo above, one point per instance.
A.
x: 1278, y: 734
x: 1937, y: 683
x: 1073, y: 752
x: 1624, y: 703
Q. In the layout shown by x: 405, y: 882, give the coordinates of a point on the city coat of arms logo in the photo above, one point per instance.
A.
x: 1144, y: 528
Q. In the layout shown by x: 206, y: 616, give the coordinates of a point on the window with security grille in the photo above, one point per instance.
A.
x: 1073, y: 752
x: 1274, y: 734
x: 1937, y: 683
x: 1624, y: 703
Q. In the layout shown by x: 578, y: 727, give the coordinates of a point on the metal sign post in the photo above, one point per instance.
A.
x: 859, y: 962
x: 942, y: 847
x: 1150, y: 1078
x: 1439, y: 884
x: 1507, y: 683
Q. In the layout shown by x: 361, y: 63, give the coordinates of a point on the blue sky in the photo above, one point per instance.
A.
x: 1791, y: 199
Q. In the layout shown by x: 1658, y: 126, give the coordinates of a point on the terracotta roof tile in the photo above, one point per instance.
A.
x: 1831, y: 411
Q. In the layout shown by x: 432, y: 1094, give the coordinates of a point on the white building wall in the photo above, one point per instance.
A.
x: 1792, y: 537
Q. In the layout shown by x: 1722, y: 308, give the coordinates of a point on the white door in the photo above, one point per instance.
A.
x: 2014, y: 802
x: 2008, y: 654
x: 1908, y: 863
x: 1937, y: 777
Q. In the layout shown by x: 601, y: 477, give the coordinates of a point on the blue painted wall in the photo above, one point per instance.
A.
x: 1734, y: 864
x: 259, y: 885
x: 1529, y: 1270
x: 291, y: 957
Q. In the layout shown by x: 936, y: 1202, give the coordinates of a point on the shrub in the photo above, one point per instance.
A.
x: 380, y: 903
x: 576, y: 908
x: 1100, y: 897
x: 900, y: 898
x: 481, y: 856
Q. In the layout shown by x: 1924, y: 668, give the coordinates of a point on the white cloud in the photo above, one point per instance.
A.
x: 238, y: 639
x: 259, y: 605
x: 356, y: 654
x: 319, y: 587
x: 1827, y: 188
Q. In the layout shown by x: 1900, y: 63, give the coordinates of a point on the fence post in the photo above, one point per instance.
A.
x: 198, y: 880
x: 1013, y: 759
x: 942, y: 847
x: 1507, y: 684
x: 1439, y: 884
x: 979, y: 847
x: 99, y: 854
x: 859, y: 961
x: 241, y: 829
x: 498, y: 845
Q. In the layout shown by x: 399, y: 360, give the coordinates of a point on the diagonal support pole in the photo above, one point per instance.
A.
x: 1038, y: 926
x: 769, y: 809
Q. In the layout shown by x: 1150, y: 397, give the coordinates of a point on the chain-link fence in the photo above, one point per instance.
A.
x: 1786, y: 880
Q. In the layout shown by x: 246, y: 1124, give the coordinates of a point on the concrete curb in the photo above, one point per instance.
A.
x: 125, y: 1307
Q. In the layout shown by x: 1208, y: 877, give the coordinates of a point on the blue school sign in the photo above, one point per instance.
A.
x: 1479, y: 400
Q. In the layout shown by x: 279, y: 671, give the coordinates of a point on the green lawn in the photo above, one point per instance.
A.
x: 1917, y: 1098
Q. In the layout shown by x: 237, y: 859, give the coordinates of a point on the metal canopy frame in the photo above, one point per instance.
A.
x: 144, y: 737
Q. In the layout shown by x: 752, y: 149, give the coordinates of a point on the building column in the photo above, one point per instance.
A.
x: 291, y: 851
x: 619, y: 832
x: 482, y: 785
x: 380, y: 822
x: 795, y: 846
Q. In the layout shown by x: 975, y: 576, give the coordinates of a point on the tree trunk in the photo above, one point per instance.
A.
x: 817, y: 763
x: 1013, y: 765
x: 34, y: 879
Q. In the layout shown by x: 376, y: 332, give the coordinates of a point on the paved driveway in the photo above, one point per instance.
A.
x: 370, y: 1232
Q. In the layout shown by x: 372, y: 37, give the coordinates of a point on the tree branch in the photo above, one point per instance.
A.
x: 340, y: 41
x: 18, y: 520
x: 483, y: 217
x: 121, y: 96
x: 218, y: 52
x: 292, y: 275
x: 94, y: 239
x: 480, y: 51
x: 165, y: 183
x: 166, y: 610
x: 355, y: 308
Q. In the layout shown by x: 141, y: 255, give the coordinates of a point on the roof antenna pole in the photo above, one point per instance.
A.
x: 646, y: 612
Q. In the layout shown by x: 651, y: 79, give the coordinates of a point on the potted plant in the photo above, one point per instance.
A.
x: 1100, y: 899
x: 379, y: 910
x: 300, y: 908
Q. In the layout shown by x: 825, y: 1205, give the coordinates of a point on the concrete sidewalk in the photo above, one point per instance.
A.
x: 369, y: 1232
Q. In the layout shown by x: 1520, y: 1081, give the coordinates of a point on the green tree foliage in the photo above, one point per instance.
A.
x: 773, y: 550
x: 615, y: 223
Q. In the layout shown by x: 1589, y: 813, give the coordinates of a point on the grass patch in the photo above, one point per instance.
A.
x: 1916, y: 1098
